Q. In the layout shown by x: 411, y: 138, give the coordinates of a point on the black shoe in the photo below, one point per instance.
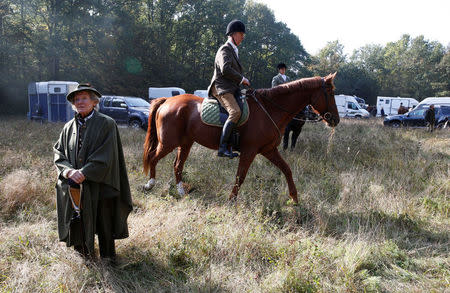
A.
x: 225, y: 152
x: 225, y: 139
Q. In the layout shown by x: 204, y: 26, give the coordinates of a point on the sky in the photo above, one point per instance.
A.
x: 358, y: 23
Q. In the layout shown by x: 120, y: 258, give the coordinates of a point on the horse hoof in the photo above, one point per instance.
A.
x: 232, y: 198
x: 180, y: 189
x: 150, y: 184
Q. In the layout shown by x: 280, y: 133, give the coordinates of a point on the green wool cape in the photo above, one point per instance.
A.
x: 102, y: 162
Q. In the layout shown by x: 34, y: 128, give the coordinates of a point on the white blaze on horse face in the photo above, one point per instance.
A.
x: 150, y: 184
x: 180, y: 188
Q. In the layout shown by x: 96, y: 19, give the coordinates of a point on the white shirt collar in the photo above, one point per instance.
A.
x: 283, y: 76
x: 235, y: 48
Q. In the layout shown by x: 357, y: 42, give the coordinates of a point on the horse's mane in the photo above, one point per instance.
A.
x: 293, y: 86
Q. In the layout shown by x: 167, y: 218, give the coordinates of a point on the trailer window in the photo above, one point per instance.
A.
x: 387, y: 102
x: 57, y: 89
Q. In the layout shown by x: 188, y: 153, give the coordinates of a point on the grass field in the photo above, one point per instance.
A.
x: 374, y: 217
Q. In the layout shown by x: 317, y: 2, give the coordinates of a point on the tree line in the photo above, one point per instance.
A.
x: 125, y: 46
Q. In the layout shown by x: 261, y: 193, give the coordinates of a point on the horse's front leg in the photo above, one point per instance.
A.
x: 178, y: 165
x: 286, y: 138
x: 276, y: 159
x: 244, y: 163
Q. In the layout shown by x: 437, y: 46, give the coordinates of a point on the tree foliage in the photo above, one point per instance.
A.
x: 125, y: 46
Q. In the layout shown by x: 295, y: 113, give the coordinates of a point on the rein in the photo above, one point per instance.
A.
x: 253, y: 95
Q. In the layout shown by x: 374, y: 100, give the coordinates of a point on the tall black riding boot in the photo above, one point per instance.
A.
x: 224, y: 140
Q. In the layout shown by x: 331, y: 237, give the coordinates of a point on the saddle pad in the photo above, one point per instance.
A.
x: 210, y: 113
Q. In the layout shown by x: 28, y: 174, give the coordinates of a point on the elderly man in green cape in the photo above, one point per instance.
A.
x: 92, y: 193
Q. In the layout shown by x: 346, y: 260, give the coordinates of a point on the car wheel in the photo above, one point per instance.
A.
x: 395, y: 124
x: 136, y: 124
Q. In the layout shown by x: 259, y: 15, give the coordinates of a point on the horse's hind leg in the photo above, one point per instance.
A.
x: 178, y: 165
x: 276, y: 159
x: 157, y: 155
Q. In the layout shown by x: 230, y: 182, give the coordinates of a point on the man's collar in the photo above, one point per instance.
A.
x: 232, y: 45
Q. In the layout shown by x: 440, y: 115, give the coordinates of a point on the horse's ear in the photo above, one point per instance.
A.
x: 330, y: 77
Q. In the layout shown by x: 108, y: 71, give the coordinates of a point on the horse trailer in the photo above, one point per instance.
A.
x: 47, y: 100
x: 390, y: 105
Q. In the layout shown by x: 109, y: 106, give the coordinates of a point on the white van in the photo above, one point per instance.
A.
x: 391, y: 104
x: 348, y: 107
x: 159, y: 92
x: 443, y: 101
x: 201, y: 93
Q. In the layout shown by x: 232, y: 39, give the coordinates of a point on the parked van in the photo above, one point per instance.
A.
x: 159, y: 92
x: 201, y: 93
x: 47, y: 100
x: 348, y: 107
x: 391, y: 104
x: 443, y: 101
x: 362, y: 102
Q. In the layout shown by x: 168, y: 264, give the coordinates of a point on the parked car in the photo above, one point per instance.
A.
x: 443, y: 101
x: 129, y: 110
x: 416, y: 118
x: 201, y: 93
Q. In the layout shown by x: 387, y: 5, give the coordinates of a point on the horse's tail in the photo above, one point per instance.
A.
x: 151, y: 139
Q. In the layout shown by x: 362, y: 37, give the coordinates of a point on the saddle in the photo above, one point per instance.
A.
x: 214, y: 114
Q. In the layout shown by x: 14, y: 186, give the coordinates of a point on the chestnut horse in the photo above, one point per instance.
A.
x: 175, y: 123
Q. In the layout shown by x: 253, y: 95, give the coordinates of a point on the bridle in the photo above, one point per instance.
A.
x: 327, y: 115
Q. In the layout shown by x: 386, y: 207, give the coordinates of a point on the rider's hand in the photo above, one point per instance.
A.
x: 245, y: 82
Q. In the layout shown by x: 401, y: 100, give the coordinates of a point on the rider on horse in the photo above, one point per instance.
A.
x: 226, y: 81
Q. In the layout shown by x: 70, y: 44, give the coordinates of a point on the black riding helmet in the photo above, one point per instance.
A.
x: 235, y: 26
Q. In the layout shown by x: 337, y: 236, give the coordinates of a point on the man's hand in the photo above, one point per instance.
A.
x: 245, y: 82
x: 76, y: 176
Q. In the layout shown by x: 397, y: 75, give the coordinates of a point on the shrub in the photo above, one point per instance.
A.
x: 21, y: 189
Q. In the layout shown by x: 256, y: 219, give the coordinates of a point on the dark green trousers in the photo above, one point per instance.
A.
x: 105, y: 237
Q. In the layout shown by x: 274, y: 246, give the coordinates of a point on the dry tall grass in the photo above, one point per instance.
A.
x: 373, y: 217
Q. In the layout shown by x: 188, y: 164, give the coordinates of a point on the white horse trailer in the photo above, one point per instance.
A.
x: 390, y: 105
x: 47, y: 100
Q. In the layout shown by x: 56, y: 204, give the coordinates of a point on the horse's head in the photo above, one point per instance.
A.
x: 323, y: 101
